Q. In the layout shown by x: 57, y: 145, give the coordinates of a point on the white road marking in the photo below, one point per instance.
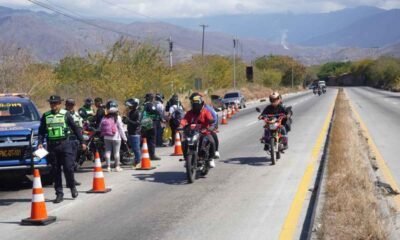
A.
x: 252, y: 123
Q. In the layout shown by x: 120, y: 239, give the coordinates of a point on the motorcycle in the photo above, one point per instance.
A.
x: 314, y: 91
x: 319, y: 92
x: 272, y: 138
x: 197, y: 152
x: 324, y: 90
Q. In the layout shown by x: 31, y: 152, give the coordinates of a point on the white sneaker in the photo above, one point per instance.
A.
x: 119, y: 169
x: 108, y: 169
x: 216, y: 156
x: 212, y: 163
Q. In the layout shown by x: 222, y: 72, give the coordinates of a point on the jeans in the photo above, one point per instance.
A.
x: 134, y: 141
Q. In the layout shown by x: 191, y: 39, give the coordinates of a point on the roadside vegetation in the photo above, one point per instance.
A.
x: 351, y: 206
x: 129, y: 69
x: 383, y: 72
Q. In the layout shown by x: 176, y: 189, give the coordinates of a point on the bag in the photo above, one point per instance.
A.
x: 177, y: 116
x: 147, y: 121
x: 108, y: 126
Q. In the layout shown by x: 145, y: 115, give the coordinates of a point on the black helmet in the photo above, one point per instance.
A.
x: 89, y: 101
x: 70, y: 101
x: 149, y: 97
x: 112, y: 106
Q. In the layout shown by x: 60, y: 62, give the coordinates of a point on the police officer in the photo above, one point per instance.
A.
x: 78, y: 120
x: 56, y: 125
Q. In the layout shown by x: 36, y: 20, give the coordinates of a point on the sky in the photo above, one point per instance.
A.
x: 197, y: 8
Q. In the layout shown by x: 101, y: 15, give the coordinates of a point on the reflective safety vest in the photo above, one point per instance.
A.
x: 56, y: 125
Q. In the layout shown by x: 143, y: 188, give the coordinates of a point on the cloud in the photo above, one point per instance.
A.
x: 196, y: 8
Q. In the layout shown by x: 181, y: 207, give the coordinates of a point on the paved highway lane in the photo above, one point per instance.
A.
x: 243, y: 198
x: 380, y: 111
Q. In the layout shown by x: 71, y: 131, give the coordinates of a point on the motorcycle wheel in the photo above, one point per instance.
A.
x: 191, y: 167
x: 205, y: 169
x: 272, y: 150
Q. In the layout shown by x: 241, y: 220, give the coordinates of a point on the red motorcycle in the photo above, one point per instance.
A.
x: 272, y: 138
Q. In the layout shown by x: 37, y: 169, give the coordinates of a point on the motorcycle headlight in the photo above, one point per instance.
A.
x: 273, y: 126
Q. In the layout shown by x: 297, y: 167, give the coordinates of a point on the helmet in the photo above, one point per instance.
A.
x: 149, y: 97
x: 132, y: 102
x: 159, y: 97
x: 274, y: 97
x: 70, y: 101
x: 112, y: 106
x: 89, y: 101
x: 196, y: 100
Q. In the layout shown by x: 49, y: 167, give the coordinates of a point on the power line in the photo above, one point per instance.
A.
x: 69, y: 15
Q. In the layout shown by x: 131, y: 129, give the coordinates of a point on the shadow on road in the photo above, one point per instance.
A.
x: 252, y: 161
x: 171, y: 178
x: 10, y: 201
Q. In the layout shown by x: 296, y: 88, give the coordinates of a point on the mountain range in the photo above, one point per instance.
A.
x: 311, y: 38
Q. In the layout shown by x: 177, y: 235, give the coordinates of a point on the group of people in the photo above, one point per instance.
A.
x: 62, y: 128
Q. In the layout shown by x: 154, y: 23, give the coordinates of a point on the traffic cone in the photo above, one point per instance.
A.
x: 229, y: 114
x: 224, y: 121
x: 178, y: 146
x: 145, y: 162
x: 38, y: 209
x: 233, y: 110
x: 99, y: 185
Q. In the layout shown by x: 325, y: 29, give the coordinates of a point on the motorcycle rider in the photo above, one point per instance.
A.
x: 277, y: 107
x: 214, y: 128
x: 86, y: 111
x: 200, y: 115
x: 134, y: 128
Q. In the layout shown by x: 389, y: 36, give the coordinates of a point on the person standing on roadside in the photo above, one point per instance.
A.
x: 86, y: 111
x: 176, y: 114
x: 55, y: 127
x: 70, y: 107
x: 112, y: 129
x: 160, y: 121
x: 100, y: 112
x: 134, y: 128
x: 148, y: 118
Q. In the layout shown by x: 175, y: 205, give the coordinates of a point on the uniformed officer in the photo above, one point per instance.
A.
x: 70, y: 107
x: 56, y: 125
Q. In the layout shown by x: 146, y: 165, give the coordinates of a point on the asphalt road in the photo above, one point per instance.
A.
x: 380, y: 111
x: 244, y: 197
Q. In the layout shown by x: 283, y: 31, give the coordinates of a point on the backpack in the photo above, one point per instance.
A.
x: 108, y: 126
x: 177, y: 116
x: 147, y: 121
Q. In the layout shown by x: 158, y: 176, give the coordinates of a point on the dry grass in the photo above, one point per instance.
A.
x: 351, y: 208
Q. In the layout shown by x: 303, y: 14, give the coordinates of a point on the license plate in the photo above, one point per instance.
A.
x: 10, y: 153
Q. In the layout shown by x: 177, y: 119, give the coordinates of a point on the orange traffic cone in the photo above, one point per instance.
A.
x: 178, y: 146
x: 233, y: 110
x: 224, y: 121
x: 99, y: 185
x: 145, y: 162
x: 38, y: 209
x: 229, y: 114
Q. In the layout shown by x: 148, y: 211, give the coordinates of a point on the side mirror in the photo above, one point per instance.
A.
x: 258, y: 110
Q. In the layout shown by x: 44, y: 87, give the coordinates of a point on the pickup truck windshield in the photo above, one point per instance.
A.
x: 231, y: 95
x: 18, y: 112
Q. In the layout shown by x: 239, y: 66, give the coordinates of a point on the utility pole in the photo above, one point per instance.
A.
x: 202, y: 41
x: 235, y: 42
x: 171, y: 47
x: 202, y: 52
x: 292, y: 76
